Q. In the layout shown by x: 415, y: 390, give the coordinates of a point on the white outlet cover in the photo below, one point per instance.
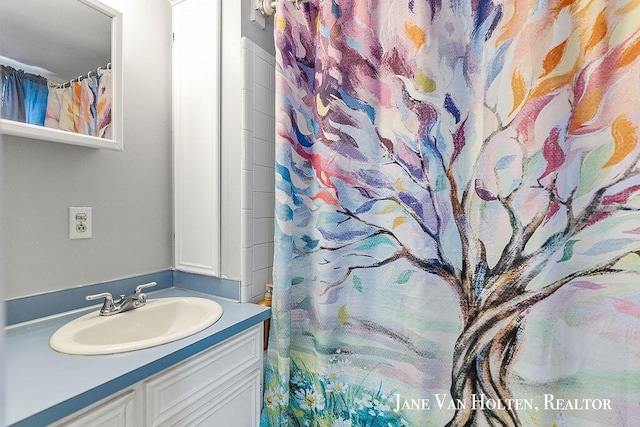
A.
x: 80, y: 222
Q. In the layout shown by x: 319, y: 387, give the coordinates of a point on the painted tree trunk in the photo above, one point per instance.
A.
x: 480, y: 365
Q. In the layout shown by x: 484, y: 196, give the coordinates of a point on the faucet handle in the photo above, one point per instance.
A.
x: 139, y: 288
x: 108, y: 305
x: 105, y: 295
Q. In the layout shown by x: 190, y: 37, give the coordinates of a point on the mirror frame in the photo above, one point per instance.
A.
x: 9, y: 127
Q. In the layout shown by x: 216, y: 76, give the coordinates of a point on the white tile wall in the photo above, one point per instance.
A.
x: 258, y: 173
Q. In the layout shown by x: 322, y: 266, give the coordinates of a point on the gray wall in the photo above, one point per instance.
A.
x: 130, y: 192
x: 263, y: 38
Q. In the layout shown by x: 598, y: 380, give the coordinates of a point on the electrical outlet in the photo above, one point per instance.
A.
x: 80, y: 222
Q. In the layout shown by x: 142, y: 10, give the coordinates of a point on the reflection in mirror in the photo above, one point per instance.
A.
x: 61, y: 71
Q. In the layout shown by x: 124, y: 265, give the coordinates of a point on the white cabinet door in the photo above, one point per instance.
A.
x: 236, y: 404
x: 220, y: 387
x: 121, y: 410
x: 196, y: 135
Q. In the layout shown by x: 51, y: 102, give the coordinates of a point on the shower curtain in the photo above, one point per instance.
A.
x: 23, y: 97
x: 457, y: 214
x: 83, y: 106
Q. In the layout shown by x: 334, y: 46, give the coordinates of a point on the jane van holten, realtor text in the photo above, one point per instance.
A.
x: 480, y: 402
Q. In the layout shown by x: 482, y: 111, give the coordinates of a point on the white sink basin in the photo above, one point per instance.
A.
x: 160, y: 321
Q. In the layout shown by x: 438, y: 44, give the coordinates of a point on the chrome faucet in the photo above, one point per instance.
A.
x: 125, y: 303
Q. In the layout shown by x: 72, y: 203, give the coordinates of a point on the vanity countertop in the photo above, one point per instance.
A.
x: 43, y: 385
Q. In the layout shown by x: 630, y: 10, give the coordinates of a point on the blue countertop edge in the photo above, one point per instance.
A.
x: 30, y: 307
x: 160, y: 358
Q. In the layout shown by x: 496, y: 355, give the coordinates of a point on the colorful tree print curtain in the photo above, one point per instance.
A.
x: 457, y: 203
x: 81, y: 106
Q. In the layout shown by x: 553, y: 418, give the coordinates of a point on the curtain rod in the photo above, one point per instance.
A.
x: 268, y: 7
x: 82, y: 77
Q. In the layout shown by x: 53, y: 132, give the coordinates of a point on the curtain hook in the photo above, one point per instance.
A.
x: 297, y: 3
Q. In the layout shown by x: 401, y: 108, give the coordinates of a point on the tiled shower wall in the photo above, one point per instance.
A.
x: 258, y: 173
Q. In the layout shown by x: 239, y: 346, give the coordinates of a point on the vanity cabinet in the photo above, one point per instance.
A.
x: 218, y: 387
x: 124, y: 409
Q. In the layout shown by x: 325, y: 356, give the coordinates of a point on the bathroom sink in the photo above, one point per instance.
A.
x: 160, y: 321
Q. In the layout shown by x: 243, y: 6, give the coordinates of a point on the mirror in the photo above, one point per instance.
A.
x: 66, y: 41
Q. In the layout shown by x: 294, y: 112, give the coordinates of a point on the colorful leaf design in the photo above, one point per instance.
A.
x: 629, y: 7
x: 458, y: 141
x: 504, y: 162
x: 629, y: 53
x: 599, y: 216
x: 404, y: 277
x: 280, y: 22
x: 586, y: 285
x: 424, y: 82
x: 343, y: 315
x: 561, y: 5
x: 586, y: 108
x: 483, y: 193
x: 608, y: 245
x: 551, y: 84
x: 625, y: 139
x: 335, y: 9
x: 311, y: 243
x: 630, y: 262
x: 626, y: 307
x: 415, y: 33
x: 591, y: 171
x: 387, y: 209
x: 326, y: 197
x: 399, y: 184
x: 451, y: 107
x: 553, y: 58
x: 620, y: 197
x: 568, y: 251
x: 554, y: 207
x: 552, y: 153
x: 321, y: 107
x: 518, y: 88
x: 357, y: 283
x: 398, y: 221
x: 598, y: 32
